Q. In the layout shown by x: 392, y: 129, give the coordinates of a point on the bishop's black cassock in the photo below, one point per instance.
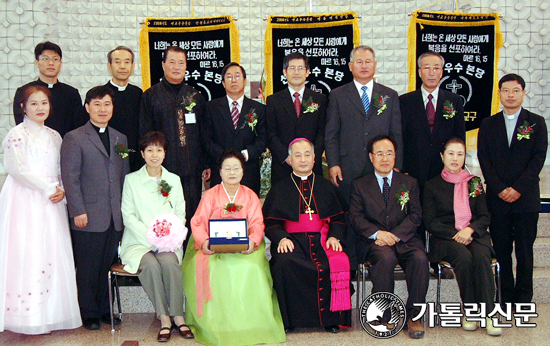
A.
x: 302, y: 278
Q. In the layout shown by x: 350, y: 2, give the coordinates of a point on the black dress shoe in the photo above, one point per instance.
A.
x: 91, y: 323
x: 106, y: 318
x: 446, y: 273
x: 289, y: 330
x: 332, y: 329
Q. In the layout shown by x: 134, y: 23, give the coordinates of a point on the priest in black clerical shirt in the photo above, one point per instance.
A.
x: 305, y: 220
x: 120, y: 62
x: 67, y: 112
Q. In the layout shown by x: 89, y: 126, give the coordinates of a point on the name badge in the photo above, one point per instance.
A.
x: 190, y: 118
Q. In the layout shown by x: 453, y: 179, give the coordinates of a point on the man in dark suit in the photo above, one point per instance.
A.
x: 177, y: 110
x: 120, y: 62
x: 512, y: 148
x: 296, y: 112
x: 235, y: 122
x: 426, y: 125
x: 93, y: 170
x: 357, y: 112
x: 385, y: 211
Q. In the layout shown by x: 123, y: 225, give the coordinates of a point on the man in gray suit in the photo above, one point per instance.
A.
x: 357, y: 112
x: 94, y: 162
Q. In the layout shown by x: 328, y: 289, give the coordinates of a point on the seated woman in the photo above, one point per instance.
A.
x: 456, y: 216
x: 142, y: 201
x: 230, y: 296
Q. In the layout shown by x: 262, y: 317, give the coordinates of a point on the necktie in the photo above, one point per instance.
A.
x: 235, y: 113
x: 430, y: 112
x: 365, y: 99
x: 297, y: 104
x: 386, y: 190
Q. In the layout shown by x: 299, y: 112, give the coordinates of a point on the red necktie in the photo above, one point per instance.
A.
x: 297, y: 104
x: 235, y: 114
x: 430, y: 112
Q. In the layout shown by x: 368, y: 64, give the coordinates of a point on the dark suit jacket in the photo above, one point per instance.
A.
x: 93, y: 179
x: 517, y: 166
x: 284, y: 126
x: 219, y: 134
x: 439, y: 217
x: 349, y: 129
x: 421, y: 153
x: 368, y: 212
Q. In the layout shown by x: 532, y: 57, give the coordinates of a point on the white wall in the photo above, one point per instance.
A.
x: 87, y: 30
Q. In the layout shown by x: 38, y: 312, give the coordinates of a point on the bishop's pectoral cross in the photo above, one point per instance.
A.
x: 309, y: 211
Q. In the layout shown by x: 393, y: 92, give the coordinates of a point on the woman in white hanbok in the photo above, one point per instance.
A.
x: 37, y: 275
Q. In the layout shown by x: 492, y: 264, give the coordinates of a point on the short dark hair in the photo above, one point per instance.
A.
x: 226, y: 67
x: 511, y: 77
x: 152, y: 138
x: 229, y: 153
x: 295, y: 55
x: 99, y: 92
x: 47, y: 46
x: 451, y: 141
x: 110, y: 54
x: 175, y: 49
x: 379, y: 138
x: 28, y: 91
x: 430, y: 53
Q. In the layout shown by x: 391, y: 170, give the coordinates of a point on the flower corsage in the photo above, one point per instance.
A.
x: 189, y: 101
x: 380, y: 103
x: 166, y: 233
x: 123, y: 150
x: 449, y: 110
x: 525, y: 131
x: 310, y: 105
x: 229, y: 208
x: 252, y: 119
x: 475, y: 188
x: 164, y: 190
x: 403, y: 197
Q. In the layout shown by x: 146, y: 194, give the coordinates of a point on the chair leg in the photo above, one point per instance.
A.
x: 111, y: 300
x: 438, y: 296
x: 359, y: 279
x: 117, y: 291
x: 499, y: 292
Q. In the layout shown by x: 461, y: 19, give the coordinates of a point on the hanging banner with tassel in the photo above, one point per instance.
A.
x: 470, y: 45
x: 326, y: 39
x: 210, y: 44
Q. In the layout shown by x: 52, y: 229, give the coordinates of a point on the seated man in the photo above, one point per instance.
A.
x: 385, y: 212
x: 305, y: 221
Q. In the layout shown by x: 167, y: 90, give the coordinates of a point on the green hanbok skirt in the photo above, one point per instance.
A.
x: 243, y: 309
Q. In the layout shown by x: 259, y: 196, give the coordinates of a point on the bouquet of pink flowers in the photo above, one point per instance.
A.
x: 166, y: 233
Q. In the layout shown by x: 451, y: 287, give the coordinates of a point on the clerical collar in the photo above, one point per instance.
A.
x: 512, y: 116
x: 99, y: 129
x: 50, y: 86
x: 302, y: 177
x: 120, y: 88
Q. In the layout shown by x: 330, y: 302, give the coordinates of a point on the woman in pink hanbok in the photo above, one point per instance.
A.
x: 37, y: 274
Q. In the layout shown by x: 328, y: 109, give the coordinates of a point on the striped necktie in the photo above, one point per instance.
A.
x: 235, y: 114
x: 386, y: 190
x: 365, y: 99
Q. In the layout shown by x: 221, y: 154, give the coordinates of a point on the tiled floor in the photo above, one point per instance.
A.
x: 143, y: 328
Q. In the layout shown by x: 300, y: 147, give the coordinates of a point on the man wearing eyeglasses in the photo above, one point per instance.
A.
x: 511, y: 148
x: 385, y: 212
x: 426, y: 126
x: 295, y: 112
x: 357, y: 112
x: 237, y: 122
x: 67, y: 112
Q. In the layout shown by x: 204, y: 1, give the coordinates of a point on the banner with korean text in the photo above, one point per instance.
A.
x: 470, y: 45
x: 210, y: 44
x: 326, y: 39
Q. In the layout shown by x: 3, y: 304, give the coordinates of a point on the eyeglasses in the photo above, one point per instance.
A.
x: 47, y: 58
x: 231, y: 77
x: 360, y: 62
x: 297, y: 68
x: 433, y: 69
x: 514, y: 91
x: 381, y: 155
x: 235, y: 169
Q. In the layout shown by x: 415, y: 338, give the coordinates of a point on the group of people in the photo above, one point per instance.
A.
x: 396, y: 168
